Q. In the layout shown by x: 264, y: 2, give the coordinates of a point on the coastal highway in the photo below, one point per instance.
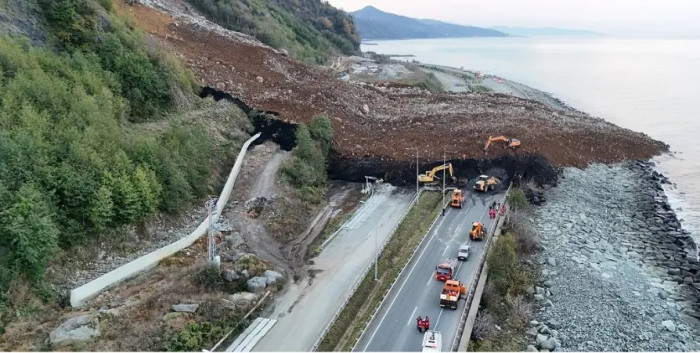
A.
x: 417, y: 293
x: 307, y: 306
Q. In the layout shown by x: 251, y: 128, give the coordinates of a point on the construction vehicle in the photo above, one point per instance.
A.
x: 452, y: 291
x: 429, y: 176
x: 478, y: 231
x: 486, y: 183
x: 457, y: 198
x: 432, y: 341
x: 510, y: 142
x: 445, y: 270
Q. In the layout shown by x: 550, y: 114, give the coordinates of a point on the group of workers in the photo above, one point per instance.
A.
x: 493, y: 209
x: 423, y: 324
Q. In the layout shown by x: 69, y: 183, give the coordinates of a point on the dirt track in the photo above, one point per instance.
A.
x: 397, y: 120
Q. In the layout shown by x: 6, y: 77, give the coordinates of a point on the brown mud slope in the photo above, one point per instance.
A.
x: 386, y: 125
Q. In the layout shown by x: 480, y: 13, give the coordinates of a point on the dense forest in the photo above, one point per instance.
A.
x: 310, y: 30
x: 74, y: 157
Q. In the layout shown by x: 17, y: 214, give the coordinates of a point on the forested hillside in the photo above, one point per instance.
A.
x: 76, y: 156
x: 310, y: 30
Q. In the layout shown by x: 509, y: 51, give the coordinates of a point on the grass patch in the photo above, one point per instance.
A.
x: 504, y: 303
x: 346, y: 329
x: 479, y: 88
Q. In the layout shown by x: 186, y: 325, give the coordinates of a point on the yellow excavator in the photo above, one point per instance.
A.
x: 429, y: 176
x: 510, y: 142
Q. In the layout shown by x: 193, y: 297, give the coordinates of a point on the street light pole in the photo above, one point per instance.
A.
x: 376, y: 256
x: 416, y: 175
x: 444, y: 176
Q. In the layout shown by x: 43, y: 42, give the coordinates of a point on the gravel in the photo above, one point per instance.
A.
x: 616, y: 262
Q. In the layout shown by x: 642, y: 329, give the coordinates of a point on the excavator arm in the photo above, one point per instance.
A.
x: 510, y: 142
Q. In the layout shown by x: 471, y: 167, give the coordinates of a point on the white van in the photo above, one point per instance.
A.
x: 432, y: 341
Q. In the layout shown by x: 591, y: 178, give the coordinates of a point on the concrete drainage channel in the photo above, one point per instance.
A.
x: 80, y: 295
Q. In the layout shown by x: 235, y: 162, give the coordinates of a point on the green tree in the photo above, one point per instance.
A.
x: 517, y: 199
x: 127, y: 204
x: 102, y: 211
x: 148, y: 190
x: 32, y: 234
x: 503, y: 266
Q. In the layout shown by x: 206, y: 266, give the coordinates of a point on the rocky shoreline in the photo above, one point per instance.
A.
x: 618, y: 271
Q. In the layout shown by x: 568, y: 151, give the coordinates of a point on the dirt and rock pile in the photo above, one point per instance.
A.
x: 386, y: 125
x: 619, y: 272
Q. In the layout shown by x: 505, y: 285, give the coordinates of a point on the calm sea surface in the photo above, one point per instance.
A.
x: 647, y: 85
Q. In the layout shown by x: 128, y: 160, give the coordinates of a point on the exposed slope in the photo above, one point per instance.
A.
x: 395, y: 121
x: 310, y: 30
x: 373, y: 23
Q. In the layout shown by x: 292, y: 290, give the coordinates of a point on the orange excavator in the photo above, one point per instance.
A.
x: 510, y: 142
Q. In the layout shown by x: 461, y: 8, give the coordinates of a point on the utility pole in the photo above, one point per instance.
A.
x: 214, y: 226
x: 211, y: 249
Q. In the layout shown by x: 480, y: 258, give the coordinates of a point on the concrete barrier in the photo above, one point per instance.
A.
x: 80, y: 295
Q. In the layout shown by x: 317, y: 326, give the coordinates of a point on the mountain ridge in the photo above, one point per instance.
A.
x: 372, y: 24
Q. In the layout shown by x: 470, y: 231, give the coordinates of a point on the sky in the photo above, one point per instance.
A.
x: 655, y: 18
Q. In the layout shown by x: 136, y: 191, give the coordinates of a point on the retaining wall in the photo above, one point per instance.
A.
x: 80, y: 295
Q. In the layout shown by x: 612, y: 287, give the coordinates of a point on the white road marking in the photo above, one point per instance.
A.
x: 430, y: 279
x: 410, y: 318
x: 447, y: 246
x: 438, y: 319
x: 403, y: 284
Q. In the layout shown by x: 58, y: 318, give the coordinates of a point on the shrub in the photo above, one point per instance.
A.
x: 29, y: 232
x: 503, y: 267
x: 517, y: 199
x: 307, y: 168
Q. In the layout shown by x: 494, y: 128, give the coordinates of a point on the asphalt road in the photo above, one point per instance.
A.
x: 303, y: 312
x: 417, y: 293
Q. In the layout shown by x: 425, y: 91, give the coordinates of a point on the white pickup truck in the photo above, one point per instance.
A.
x: 463, y: 253
x: 432, y: 341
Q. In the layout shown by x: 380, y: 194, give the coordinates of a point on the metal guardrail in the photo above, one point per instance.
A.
x: 386, y: 295
x: 359, y: 280
x: 472, y: 285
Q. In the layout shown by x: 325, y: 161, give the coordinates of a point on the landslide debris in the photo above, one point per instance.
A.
x: 386, y: 124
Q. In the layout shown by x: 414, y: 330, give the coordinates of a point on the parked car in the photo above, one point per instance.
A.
x: 463, y: 252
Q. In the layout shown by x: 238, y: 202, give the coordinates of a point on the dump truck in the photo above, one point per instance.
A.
x: 457, y: 198
x: 445, y: 270
x: 486, y: 183
x: 452, y: 291
x: 432, y: 341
